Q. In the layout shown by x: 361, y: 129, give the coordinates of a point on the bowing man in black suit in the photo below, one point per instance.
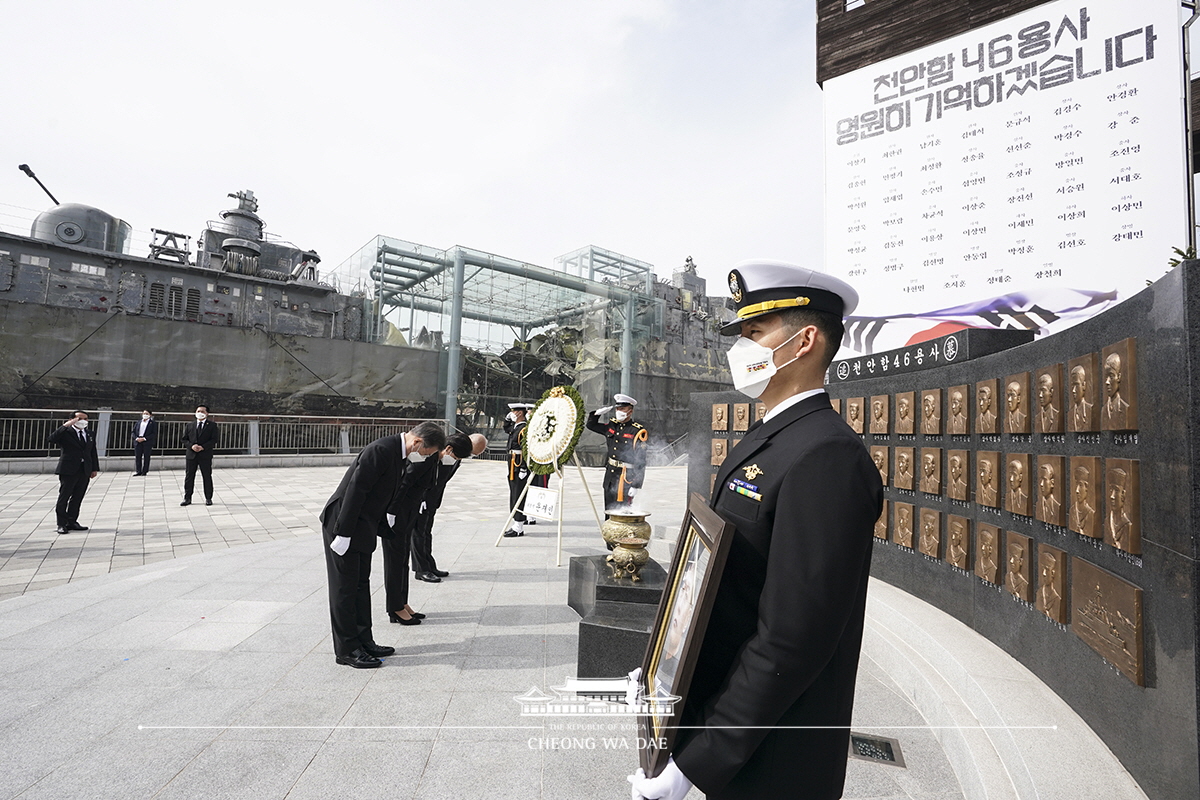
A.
x: 353, y: 518
x: 458, y: 447
x: 77, y: 465
x: 200, y: 440
x: 418, y: 477
x: 768, y: 710
x: 145, y: 433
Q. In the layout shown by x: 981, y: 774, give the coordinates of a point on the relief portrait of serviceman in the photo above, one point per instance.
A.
x: 957, y: 424
x: 1016, y: 403
x: 1081, y: 384
x: 931, y: 412
x: 905, y: 423
x: 985, y: 417
x: 1049, y: 415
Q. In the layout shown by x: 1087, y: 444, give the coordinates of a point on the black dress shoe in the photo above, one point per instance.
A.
x: 441, y: 573
x: 394, y: 617
x: 417, y: 615
x: 188, y: 503
x: 75, y: 526
x: 61, y: 529
x: 360, y: 659
x: 511, y: 533
x: 378, y: 650
x: 428, y: 577
x: 208, y: 502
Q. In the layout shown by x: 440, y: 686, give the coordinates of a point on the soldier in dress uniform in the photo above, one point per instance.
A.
x: 518, y: 471
x: 769, y: 707
x: 625, y: 463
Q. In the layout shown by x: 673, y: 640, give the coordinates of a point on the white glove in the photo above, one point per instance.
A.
x: 422, y: 511
x: 631, y: 491
x: 600, y: 412
x: 633, y: 689
x: 391, y: 518
x: 670, y: 785
x: 340, y: 545
x: 511, y: 416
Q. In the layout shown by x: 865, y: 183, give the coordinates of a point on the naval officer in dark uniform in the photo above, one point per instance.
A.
x: 768, y: 710
x: 518, y: 470
x: 625, y: 461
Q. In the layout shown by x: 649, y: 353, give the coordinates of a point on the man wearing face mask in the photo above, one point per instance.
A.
x: 458, y: 447
x: 200, y: 440
x: 354, y: 517
x: 518, y: 470
x: 625, y: 464
x: 77, y: 465
x: 145, y: 431
x: 768, y: 710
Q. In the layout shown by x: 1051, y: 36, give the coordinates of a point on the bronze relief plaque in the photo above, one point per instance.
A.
x: 741, y: 416
x: 854, y: 413
x: 904, y: 468
x: 960, y: 405
x: 1048, y: 393
x: 881, y: 524
x: 760, y: 409
x: 1106, y: 613
x: 903, y: 533
x: 1017, y: 566
x: 987, y: 549
x: 905, y: 412
x: 958, y: 477
x: 1052, y: 583
x: 931, y: 532
x: 720, y: 416
x: 1016, y: 403
x: 931, y: 412
x: 987, y: 401
x: 1050, y: 484
x: 879, y: 455
x: 719, y: 451
x: 1083, y: 413
x: 958, y: 542
x: 987, y: 478
x: 1122, y: 515
x: 1016, y: 484
x: 1118, y: 387
x: 880, y: 408
x: 1087, y: 490
x: 931, y: 470
x: 835, y: 402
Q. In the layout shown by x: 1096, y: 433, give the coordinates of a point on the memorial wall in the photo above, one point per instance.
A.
x: 1043, y: 494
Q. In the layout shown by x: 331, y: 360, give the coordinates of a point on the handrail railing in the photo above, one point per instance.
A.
x: 25, y: 432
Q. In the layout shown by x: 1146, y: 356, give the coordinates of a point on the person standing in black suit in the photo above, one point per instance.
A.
x: 145, y: 433
x: 355, y: 515
x: 200, y: 440
x: 458, y: 447
x: 768, y: 710
x: 77, y: 465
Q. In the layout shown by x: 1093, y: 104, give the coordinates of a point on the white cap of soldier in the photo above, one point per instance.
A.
x: 623, y: 400
x: 760, y: 286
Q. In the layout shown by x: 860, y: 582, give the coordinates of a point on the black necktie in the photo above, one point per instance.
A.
x: 83, y: 437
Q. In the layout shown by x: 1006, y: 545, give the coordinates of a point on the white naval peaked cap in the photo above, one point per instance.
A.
x: 760, y: 286
x: 624, y: 400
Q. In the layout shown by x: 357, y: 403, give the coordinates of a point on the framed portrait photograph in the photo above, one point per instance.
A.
x: 679, y: 626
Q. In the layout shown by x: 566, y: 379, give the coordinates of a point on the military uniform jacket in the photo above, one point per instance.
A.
x: 516, y: 466
x: 626, y: 444
x: 358, y: 507
x: 782, y: 644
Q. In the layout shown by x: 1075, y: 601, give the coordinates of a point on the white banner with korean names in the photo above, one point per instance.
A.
x: 1030, y: 173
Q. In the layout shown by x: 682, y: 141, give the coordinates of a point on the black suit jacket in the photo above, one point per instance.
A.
x: 782, y: 644
x: 206, y: 438
x: 414, y: 483
x: 76, y: 456
x: 151, y: 431
x: 359, y: 505
x: 441, y: 476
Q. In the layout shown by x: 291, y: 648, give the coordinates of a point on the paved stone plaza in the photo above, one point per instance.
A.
x: 176, y: 652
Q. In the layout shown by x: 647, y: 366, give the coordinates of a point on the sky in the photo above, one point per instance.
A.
x: 659, y: 129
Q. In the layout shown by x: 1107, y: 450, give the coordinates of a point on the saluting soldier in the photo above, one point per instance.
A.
x: 769, y: 707
x: 518, y: 471
x: 625, y: 464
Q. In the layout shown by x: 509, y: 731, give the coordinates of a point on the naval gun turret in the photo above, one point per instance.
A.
x: 238, y: 243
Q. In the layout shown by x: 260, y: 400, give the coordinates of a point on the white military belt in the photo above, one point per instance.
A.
x: 514, y: 452
x: 612, y: 462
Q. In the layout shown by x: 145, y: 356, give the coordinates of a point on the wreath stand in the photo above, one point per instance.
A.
x: 561, y: 483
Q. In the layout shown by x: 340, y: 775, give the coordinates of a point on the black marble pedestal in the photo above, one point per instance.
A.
x: 617, y: 615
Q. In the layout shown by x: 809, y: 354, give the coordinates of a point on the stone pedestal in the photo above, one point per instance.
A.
x: 617, y: 615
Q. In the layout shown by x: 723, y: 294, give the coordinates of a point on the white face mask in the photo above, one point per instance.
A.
x: 449, y: 461
x: 753, y: 365
x: 415, y: 457
x: 200, y: 415
x: 145, y: 417
x: 81, y: 424
x: 622, y: 416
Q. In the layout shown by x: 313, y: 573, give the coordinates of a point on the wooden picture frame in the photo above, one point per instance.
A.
x: 696, y: 567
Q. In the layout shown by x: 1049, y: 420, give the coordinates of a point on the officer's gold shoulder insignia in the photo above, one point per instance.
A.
x: 752, y: 472
x: 735, y: 286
